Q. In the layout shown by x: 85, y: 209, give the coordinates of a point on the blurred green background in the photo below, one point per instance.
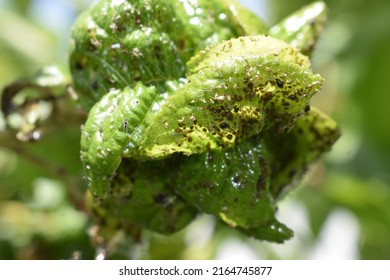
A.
x: 340, y: 211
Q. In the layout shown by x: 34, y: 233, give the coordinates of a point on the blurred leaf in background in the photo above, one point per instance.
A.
x: 37, y: 218
x: 342, y: 209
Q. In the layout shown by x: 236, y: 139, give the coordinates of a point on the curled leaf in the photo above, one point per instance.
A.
x: 192, y: 110
x: 291, y: 153
x: 233, y: 184
x: 141, y: 198
x: 234, y: 89
x: 115, y: 129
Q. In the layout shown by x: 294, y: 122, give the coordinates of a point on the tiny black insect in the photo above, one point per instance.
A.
x: 279, y: 83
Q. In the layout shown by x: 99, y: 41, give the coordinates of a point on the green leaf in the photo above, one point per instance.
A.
x: 140, y: 197
x: 235, y: 89
x: 188, y: 116
x: 233, y: 184
x: 244, y: 18
x: 115, y: 128
x: 291, y: 153
x: 116, y: 44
